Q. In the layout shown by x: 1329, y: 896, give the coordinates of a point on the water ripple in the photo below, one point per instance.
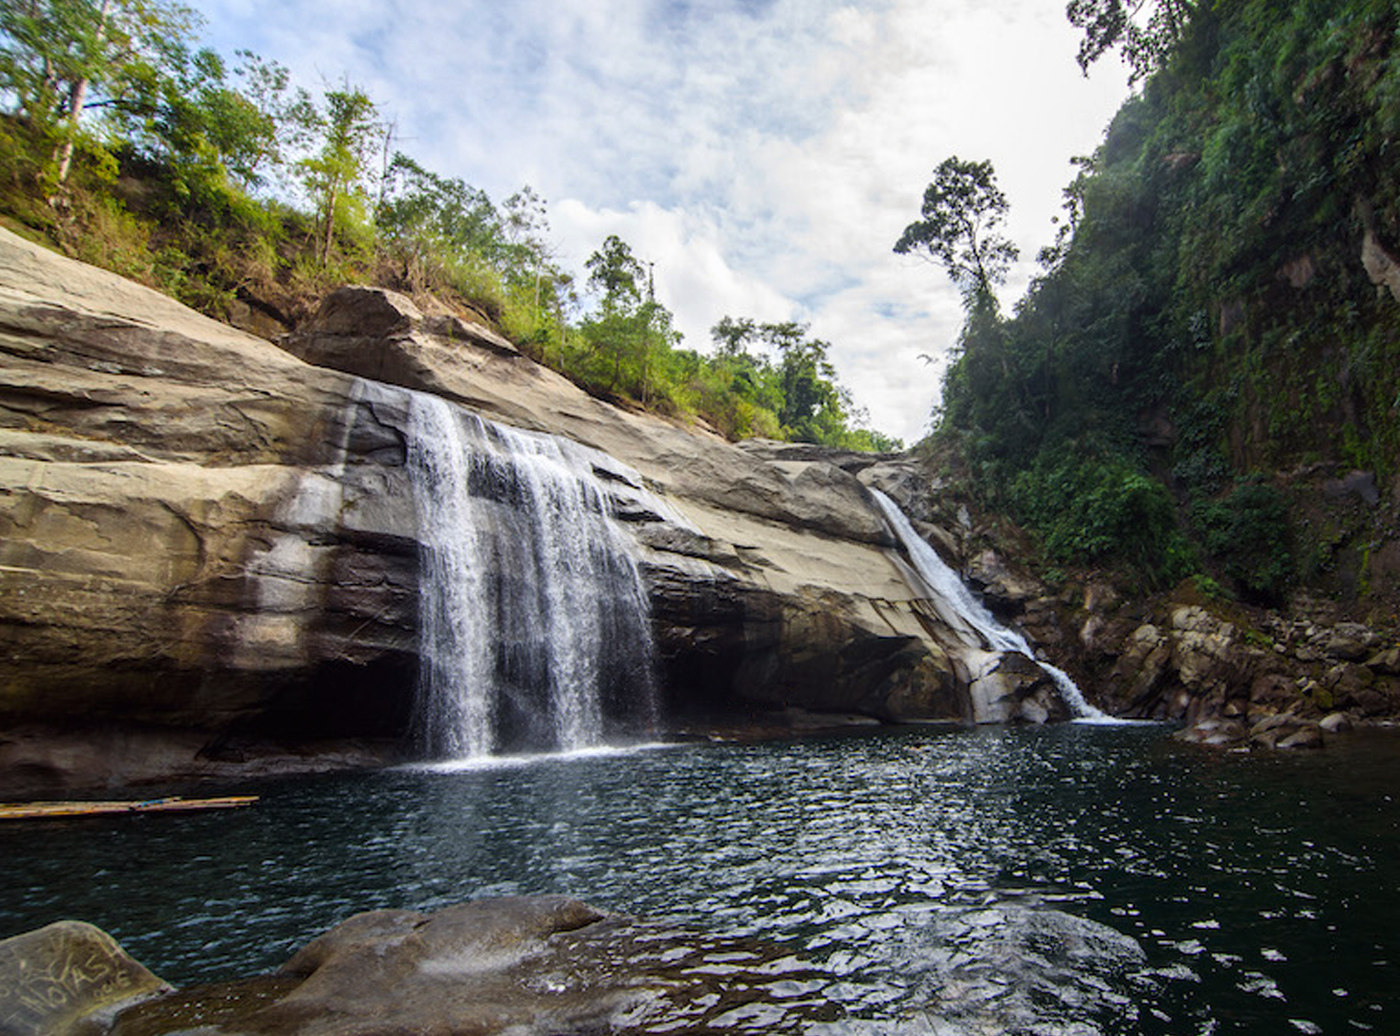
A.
x: 1079, y: 880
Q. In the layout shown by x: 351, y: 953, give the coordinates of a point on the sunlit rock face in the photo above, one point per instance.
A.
x: 210, y: 539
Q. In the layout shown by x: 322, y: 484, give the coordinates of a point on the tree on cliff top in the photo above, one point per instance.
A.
x: 963, y: 211
x: 58, y: 58
x: 631, y: 333
x: 348, y: 128
x: 1145, y: 31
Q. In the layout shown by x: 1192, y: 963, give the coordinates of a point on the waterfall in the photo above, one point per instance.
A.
x: 970, y: 613
x: 534, y: 622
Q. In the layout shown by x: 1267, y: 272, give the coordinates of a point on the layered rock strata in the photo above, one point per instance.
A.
x: 208, y: 540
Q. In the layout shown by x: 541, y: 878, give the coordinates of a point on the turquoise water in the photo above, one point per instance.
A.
x: 1069, y: 879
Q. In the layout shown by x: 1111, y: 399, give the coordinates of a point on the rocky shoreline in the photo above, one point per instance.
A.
x: 1233, y: 676
x: 520, y: 965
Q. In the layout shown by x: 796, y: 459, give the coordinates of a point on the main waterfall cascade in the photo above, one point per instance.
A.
x: 534, y: 622
x: 968, y: 616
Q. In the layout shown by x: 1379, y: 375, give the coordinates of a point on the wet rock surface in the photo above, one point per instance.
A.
x: 553, y: 965
x: 519, y: 965
x: 1014, y: 969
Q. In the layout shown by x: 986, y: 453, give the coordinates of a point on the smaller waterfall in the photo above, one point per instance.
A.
x: 534, y: 622
x: 972, y: 613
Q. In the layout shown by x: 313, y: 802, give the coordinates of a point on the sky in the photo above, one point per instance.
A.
x: 763, y: 155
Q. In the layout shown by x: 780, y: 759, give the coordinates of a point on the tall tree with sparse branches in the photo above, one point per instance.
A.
x: 962, y: 215
x: 348, y: 129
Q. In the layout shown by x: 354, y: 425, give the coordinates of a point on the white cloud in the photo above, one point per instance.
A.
x: 764, y: 154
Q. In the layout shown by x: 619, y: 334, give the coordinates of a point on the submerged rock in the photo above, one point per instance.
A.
x: 487, y: 966
x: 523, y: 966
x: 1008, y: 968
x: 1335, y: 723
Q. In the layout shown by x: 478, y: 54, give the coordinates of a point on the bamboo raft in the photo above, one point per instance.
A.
x: 174, y: 804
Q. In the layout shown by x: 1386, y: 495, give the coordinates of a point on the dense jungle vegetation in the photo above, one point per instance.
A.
x: 1204, y: 339
x: 125, y: 143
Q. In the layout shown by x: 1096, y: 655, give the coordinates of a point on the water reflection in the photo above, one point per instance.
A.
x: 917, y: 872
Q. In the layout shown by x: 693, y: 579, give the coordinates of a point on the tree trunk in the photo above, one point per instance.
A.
x: 77, y: 97
x: 331, y: 197
x: 65, y: 150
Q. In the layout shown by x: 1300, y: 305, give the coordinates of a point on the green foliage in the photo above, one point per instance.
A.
x: 1144, y: 31
x: 98, y: 230
x: 1249, y: 534
x: 203, y: 140
x: 205, y: 129
x: 1201, y: 465
x: 442, y: 234
x: 630, y: 337
x: 867, y: 440
x: 799, y: 390
x: 1203, y: 312
x: 734, y: 390
x: 59, y: 58
x: 1207, y: 587
x: 615, y: 272
x: 1092, y: 507
x: 960, y: 228
x: 345, y: 128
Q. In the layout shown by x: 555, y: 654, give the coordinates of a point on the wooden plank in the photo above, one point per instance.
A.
x: 174, y: 804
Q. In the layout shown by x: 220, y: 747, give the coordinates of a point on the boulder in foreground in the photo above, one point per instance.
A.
x: 68, y: 977
x: 522, y: 965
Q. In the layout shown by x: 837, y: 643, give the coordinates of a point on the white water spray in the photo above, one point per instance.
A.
x: 534, y: 622
x: 948, y: 587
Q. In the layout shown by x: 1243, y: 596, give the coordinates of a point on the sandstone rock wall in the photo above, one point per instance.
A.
x: 203, y: 532
x: 777, y: 586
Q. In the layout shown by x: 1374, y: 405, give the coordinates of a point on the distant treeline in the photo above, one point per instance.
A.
x: 125, y: 143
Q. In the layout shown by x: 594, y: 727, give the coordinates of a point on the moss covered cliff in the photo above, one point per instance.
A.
x: 1205, y: 379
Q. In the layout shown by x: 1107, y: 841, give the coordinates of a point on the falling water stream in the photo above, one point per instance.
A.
x: 535, y: 629
x: 969, y: 616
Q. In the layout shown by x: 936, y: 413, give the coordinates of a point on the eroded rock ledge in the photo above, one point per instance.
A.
x: 210, y: 549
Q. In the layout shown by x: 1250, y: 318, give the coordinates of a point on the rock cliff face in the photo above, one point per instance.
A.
x: 1233, y: 675
x: 1263, y: 680
x: 209, y: 541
